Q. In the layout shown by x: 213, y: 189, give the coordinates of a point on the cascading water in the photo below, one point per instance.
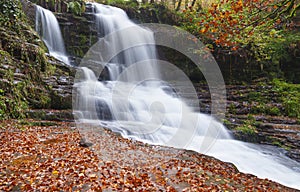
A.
x: 48, y: 28
x: 137, y: 105
x: 110, y: 19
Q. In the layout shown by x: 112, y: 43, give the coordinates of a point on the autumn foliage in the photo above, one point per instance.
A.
x: 49, y: 158
x: 234, y: 24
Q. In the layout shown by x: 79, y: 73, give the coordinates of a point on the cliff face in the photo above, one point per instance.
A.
x: 25, y: 67
x: 79, y: 29
x: 22, y: 61
x: 79, y: 33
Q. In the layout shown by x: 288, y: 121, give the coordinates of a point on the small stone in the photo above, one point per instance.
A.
x: 84, y: 143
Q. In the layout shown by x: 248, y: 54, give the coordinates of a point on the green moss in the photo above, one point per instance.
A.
x: 232, y: 109
x: 257, y: 96
x: 45, y: 101
x: 12, y: 102
x: 23, y: 61
x: 10, y: 13
x: 226, y: 122
x: 50, y: 70
x: 2, y: 105
x: 258, y: 108
x: 76, y: 7
x: 273, y: 111
x: 248, y: 127
x: 278, y: 143
x: 289, y: 96
x: 37, y: 123
x: 276, y: 98
x: 121, y: 2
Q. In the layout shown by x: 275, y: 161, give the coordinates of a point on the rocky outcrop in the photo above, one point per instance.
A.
x: 156, y: 13
x: 61, y: 82
x: 57, y: 76
x: 271, y: 129
x: 50, y: 115
x: 79, y: 33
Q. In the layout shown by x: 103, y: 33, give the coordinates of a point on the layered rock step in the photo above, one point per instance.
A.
x: 275, y: 130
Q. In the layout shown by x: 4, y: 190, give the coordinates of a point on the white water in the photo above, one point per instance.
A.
x: 48, y: 28
x: 150, y: 112
x: 110, y: 19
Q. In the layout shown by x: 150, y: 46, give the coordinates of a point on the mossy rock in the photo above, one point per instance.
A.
x: 24, y: 65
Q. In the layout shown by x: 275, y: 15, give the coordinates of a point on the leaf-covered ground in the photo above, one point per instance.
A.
x: 47, y: 156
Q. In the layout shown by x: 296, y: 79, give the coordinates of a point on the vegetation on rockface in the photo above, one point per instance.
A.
x: 21, y: 61
x: 76, y: 7
x: 263, y: 111
x: 248, y: 126
x: 10, y: 13
x: 289, y: 95
x: 274, y: 98
x: 24, y: 64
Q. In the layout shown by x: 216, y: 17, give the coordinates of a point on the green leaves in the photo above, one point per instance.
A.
x: 76, y: 7
x: 10, y: 12
x: 289, y: 96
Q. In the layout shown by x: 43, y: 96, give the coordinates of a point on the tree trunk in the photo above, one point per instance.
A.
x: 179, y: 5
x: 174, y: 4
x: 186, y: 4
x: 193, y: 3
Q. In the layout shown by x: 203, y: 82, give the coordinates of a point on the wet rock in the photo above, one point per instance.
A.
x: 84, y: 143
x: 29, y: 8
x: 79, y: 33
x: 50, y: 115
x: 252, y: 138
x: 103, y: 110
x: 294, y: 154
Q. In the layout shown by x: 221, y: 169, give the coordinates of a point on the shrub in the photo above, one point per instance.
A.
x: 10, y: 12
x: 76, y: 7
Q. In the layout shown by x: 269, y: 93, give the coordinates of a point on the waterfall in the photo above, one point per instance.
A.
x: 136, y: 103
x: 48, y: 28
x: 110, y: 19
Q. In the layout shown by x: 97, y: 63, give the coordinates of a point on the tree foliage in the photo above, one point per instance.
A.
x: 264, y: 27
x: 76, y: 7
x: 10, y: 12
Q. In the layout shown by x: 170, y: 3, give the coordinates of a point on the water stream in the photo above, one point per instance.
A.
x: 48, y: 28
x: 149, y: 110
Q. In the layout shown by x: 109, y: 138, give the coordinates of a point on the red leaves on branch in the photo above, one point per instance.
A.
x: 231, y: 22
